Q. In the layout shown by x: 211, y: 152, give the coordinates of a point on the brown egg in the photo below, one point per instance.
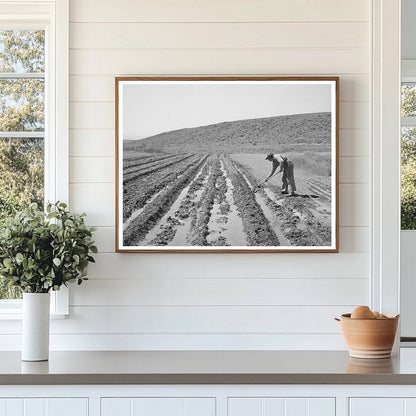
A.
x: 376, y: 314
x: 362, y: 312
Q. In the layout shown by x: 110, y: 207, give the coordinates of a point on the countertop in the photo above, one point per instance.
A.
x: 207, y: 367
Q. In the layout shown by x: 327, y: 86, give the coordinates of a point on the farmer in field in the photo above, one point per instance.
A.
x: 286, y: 166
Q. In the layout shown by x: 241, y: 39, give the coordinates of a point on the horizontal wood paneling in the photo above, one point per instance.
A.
x: 101, y: 88
x: 222, y: 61
x: 218, y: 36
x: 268, y: 37
x: 200, y: 266
x: 94, y: 143
x: 104, y: 238
x: 194, y: 320
x: 202, y: 319
x: 354, y: 169
x: 352, y: 239
x: 146, y: 342
x: 88, y: 169
x: 218, y: 11
x: 354, y: 142
x: 352, y: 115
x: 354, y: 208
x: 92, y: 115
x: 96, y: 199
x: 220, y: 291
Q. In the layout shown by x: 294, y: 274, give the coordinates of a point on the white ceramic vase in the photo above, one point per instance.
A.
x: 35, y: 326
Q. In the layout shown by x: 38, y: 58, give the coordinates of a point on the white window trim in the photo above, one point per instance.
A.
x: 385, y: 262
x: 52, y: 15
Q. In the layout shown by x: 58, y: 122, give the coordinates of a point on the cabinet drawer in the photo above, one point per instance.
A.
x: 160, y: 406
x: 44, y: 407
x: 382, y: 406
x: 280, y: 406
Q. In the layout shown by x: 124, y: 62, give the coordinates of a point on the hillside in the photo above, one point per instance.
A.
x: 251, y: 136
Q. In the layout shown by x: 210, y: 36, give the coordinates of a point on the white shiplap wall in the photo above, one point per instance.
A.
x: 181, y: 301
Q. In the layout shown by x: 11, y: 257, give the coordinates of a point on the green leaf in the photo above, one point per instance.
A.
x: 37, y: 255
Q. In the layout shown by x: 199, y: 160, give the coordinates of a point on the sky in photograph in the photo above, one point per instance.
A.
x: 150, y: 108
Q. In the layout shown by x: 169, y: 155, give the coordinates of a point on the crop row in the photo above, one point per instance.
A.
x: 147, y: 171
x: 199, y: 224
x: 300, y: 225
x: 320, y: 189
x: 187, y: 207
x: 151, y: 213
x: 137, y: 193
x: 140, y: 162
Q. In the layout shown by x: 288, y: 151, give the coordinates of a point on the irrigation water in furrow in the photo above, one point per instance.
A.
x: 188, y: 207
x: 152, y: 213
x: 201, y: 215
x: 225, y: 226
x: 268, y: 212
x: 257, y: 227
x: 171, y: 229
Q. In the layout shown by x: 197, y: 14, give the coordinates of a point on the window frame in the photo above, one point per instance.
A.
x: 53, y: 17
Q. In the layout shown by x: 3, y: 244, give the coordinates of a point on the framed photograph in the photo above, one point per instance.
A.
x: 227, y: 164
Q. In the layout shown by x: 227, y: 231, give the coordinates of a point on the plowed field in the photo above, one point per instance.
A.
x: 214, y: 200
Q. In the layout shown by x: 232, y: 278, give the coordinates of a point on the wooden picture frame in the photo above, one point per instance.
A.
x: 192, y: 154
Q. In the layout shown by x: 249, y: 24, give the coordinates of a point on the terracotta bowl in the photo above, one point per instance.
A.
x: 369, y: 338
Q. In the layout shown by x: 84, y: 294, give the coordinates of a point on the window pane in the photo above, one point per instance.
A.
x: 22, y: 51
x: 22, y: 105
x: 21, y: 182
x: 408, y: 178
x: 408, y: 102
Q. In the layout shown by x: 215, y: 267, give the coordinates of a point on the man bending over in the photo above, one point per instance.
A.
x: 286, y: 166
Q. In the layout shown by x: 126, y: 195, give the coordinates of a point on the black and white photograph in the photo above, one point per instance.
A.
x: 227, y: 164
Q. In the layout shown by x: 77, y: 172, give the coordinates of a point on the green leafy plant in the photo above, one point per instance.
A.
x: 43, y: 251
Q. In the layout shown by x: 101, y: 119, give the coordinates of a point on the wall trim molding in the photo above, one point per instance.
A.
x: 385, y: 99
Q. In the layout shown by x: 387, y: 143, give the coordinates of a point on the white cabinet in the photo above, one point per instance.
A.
x: 382, y: 406
x: 208, y: 400
x: 146, y: 406
x: 44, y: 407
x: 281, y: 406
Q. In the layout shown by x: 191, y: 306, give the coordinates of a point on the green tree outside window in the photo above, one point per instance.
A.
x: 22, y: 65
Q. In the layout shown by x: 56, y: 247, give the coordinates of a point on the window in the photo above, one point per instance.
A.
x: 22, y: 124
x: 33, y: 112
